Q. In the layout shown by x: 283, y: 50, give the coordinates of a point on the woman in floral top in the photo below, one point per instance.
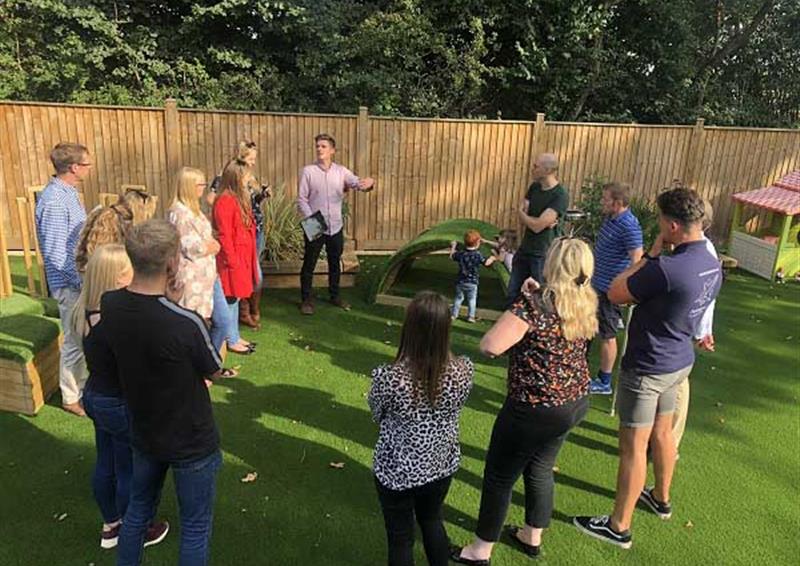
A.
x: 198, y: 270
x: 546, y: 332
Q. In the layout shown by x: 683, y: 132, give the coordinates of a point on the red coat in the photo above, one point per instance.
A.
x: 236, y: 260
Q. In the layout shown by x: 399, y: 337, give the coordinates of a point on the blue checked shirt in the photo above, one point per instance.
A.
x: 59, y: 220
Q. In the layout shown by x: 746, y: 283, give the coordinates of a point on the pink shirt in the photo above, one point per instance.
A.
x: 323, y: 190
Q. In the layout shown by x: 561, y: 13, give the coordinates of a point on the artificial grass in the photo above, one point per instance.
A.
x: 435, y: 238
x: 300, y: 405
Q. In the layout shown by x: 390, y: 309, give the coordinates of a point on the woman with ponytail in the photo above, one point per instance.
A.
x: 546, y: 332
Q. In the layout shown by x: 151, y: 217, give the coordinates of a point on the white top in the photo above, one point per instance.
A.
x: 706, y: 325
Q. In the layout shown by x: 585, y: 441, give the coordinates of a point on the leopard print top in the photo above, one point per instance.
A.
x: 418, y: 443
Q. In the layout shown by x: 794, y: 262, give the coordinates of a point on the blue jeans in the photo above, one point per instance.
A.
x: 194, y: 486
x: 524, y: 266
x: 222, y: 325
x: 470, y: 291
x: 111, y: 482
x: 261, y: 244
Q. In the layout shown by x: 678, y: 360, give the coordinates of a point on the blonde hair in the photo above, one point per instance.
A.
x: 243, y: 149
x: 103, y: 270
x: 186, y: 182
x: 568, y: 272
x: 110, y: 224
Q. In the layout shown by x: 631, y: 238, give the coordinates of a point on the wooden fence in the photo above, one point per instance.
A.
x: 426, y: 170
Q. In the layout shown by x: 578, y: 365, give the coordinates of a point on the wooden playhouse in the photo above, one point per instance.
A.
x: 765, y: 231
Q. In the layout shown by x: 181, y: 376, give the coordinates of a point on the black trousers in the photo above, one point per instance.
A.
x: 334, y: 245
x: 525, y: 440
x: 399, y: 509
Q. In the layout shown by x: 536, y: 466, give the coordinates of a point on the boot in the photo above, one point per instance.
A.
x: 244, y: 314
x: 255, y: 305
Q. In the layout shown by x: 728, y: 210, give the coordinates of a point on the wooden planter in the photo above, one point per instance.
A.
x: 25, y: 387
x: 286, y: 274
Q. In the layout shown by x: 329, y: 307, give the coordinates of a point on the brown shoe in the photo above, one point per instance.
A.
x: 341, y: 303
x: 74, y: 408
x: 244, y: 314
x: 307, y: 307
x: 255, y: 306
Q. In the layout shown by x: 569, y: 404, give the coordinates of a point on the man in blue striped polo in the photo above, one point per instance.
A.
x: 618, y: 246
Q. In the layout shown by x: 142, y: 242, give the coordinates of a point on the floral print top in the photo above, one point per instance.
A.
x: 197, y: 271
x: 544, y: 368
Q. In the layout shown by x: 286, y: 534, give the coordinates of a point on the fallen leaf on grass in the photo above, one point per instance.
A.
x: 556, y: 469
x: 718, y: 404
x: 689, y: 524
x: 308, y: 348
x: 337, y: 465
x: 61, y: 517
x: 250, y: 477
x: 722, y: 420
x: 387, y: 342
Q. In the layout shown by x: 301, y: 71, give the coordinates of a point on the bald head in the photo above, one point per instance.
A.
x: 546, y: 165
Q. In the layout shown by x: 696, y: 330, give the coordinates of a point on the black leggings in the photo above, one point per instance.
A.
x: 525, y: 440
x: 399, y: 509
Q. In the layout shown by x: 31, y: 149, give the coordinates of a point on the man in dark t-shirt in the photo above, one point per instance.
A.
x: 164, y: 354
x: 671, y: 294
x: 545, y: 203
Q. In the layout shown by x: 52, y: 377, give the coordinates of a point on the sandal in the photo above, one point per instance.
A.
x: 246, y: 352
x: 529, y: 549
x: 455, y: 556
x: 227, y: 373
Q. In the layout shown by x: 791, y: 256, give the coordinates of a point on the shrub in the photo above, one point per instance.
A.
x: 284, y: 237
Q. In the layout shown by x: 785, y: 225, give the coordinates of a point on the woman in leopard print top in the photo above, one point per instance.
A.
x: 417, y: 401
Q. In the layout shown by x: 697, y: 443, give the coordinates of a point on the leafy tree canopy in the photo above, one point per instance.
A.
x: 733, y: 62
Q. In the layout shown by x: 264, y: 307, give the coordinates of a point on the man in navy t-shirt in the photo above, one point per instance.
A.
x: 671, y: 293
x: 617, y: 247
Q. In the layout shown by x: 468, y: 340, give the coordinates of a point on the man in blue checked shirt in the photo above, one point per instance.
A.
x: 618, y: 246
x: 59, y: 220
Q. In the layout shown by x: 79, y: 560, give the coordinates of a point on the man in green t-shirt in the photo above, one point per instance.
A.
x: 544, y: 205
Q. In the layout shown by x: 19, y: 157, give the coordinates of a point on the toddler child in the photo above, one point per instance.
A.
x: 469, y: 261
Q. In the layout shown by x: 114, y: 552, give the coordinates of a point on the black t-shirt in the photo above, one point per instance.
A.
x: 540, y: 200
x: 163, y: 353
x: 100, y: 361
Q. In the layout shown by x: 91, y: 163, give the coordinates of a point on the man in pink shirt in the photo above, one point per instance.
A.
x: 322, y: 188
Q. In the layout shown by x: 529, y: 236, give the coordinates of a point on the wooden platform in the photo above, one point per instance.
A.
x: 25, y: 387
x: 286, y: 274
x: 395, y: 301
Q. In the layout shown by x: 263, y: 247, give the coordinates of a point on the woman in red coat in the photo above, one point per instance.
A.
x: 236, y: 232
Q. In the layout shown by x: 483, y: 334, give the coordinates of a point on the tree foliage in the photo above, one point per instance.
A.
x: 730, y: 61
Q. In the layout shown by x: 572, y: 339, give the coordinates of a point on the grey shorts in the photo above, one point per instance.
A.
x: 640, y: 397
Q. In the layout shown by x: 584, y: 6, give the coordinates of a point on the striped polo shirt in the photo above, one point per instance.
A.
x: 59, y: 219
x: 618, y: 236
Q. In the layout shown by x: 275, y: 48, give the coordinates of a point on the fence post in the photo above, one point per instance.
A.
x: 172, y: 138
x: 361, y: 215
x: 6, y: 287
x: 695, y: 157
x: 538, y: 134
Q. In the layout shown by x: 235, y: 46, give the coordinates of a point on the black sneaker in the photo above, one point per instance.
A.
x: 663, y: 510
x: 600, y: 528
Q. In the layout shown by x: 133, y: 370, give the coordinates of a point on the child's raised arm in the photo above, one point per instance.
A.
x: 453, y: 245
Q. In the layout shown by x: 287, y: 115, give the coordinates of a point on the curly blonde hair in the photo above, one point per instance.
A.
x: 110, y: 224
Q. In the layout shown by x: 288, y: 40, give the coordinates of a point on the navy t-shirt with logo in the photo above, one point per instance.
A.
x: 672, y: 293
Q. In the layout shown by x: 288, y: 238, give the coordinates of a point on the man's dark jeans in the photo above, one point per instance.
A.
x: 523, y: 266
x: 334, y: 245
x: 194, y: 486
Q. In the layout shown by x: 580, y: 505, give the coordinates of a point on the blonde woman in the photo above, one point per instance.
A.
x: 107, y: 269
x: 546, y: 333
x: 198, y: 269
x: 109, y: 224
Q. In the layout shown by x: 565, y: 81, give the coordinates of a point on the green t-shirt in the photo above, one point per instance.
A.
x: 540, y: 200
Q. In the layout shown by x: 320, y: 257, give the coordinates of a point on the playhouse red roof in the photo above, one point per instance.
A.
x: 782, y: 196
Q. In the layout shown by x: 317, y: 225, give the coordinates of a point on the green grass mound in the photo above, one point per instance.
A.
x: 21, y: 304
x: 434, y: 239
x: 22, y: 335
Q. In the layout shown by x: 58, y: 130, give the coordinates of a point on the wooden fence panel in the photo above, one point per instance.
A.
x: 426, y: 171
